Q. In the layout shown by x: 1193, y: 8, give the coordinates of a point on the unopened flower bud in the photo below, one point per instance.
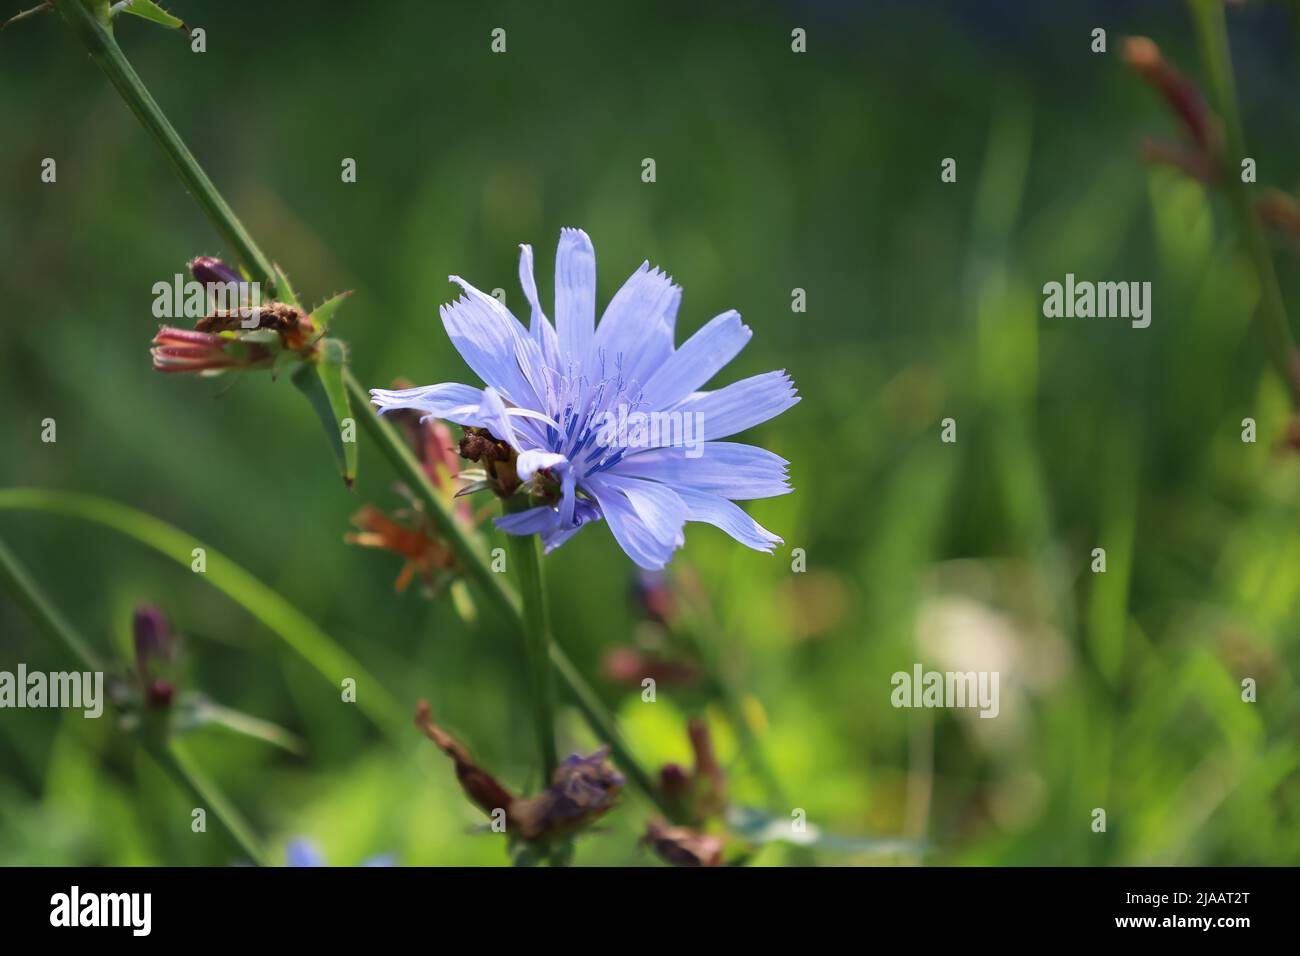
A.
x: 185, y: 350
x: 154, y: 644
x: 152, y: 635
x: 209, y: 271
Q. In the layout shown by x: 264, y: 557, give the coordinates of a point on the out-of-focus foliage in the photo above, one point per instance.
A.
x: 775, y: 171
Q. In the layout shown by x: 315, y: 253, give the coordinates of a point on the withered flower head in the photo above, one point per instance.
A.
x: 682, y: 846
x: 425, y: 554
x: 479, y: 785
x: 700, y: 793
x: 582, y: 788
x: 234, y: 335
x: 495, y: 456
x: 1202, y: 156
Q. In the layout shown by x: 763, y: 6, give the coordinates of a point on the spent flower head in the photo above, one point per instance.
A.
x: 238, y: 332
x: 607, y: 422
x: 581, y: 789
x: 1200, y: 154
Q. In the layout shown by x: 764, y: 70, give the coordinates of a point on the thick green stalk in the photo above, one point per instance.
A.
x: 89, y: 21
x: 185, y: 770
x: 47, y: 618
x: 95, y: 33
x: 526, y: 557
x: 1212, y: 31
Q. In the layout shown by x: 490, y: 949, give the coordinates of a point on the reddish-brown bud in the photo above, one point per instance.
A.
x: 185, y: 350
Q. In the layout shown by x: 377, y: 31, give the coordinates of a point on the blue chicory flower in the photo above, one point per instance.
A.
x: 611, y: 415
x: 304, y: 852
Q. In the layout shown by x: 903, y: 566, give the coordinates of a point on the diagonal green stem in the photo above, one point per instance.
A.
x: 185, y: 770
x: 90, y: 22
x: 1212, y: 31
x: 24, y: 589
x: 526, y: 556
x: 95, y: 33
x: 175, y: 760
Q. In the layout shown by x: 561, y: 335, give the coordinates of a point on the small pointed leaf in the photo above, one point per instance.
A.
x: 322, y: 382
x: 150, y: 11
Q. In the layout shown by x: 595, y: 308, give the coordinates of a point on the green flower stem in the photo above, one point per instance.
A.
x: 526, y: 558
x: 1212, y: 31
x: 173, y: 758
x: 89, y: 20
x: 603, y: 726
x: 45, y: 615
x: 701, y: 637
x: 185, y: 770
x: 95, y: 33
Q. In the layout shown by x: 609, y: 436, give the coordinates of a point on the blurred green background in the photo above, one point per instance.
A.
x: 775, y: 171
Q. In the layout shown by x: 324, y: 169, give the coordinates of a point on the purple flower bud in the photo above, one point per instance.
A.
x: 153, y: 637
x: 208, y: 270
x: 159, y: 693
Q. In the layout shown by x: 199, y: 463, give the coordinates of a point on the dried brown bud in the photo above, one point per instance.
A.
x: 496, y: 456
x: 1184, y: 99
x: 710, y: 778
x: 479, y: 785
x: 682, y: 846
x: 582, y: 788
x: 424, y: 554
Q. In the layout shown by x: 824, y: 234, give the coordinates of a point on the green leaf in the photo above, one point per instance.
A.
x: 197, y: 711
x: 759, y: 826
x: 322, y: 382
x: 148, y: 10
x: 283, y: 290
x: 282, y: 619
x: 322, y: 314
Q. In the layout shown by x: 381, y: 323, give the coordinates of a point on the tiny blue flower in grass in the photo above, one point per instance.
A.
x: 304, y: 852
x: 609, y: 421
